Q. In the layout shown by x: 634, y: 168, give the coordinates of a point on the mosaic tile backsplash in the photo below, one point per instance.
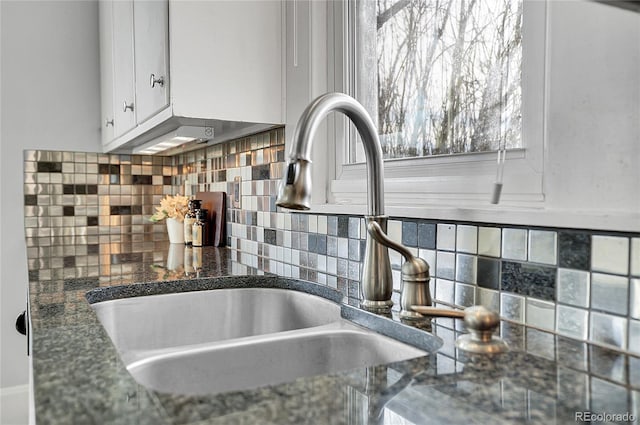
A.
x: 580, y: 284
x: 84, y: 211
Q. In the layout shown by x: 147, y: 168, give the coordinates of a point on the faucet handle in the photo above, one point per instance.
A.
x: 378, y: 234
x: 415, y: 275
x: 481, y: 323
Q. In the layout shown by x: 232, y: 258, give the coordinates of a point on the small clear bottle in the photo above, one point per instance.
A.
x: 200, y: 229
x: 189, y: 219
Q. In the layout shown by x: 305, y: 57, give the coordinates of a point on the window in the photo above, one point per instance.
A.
x: 446, y: 73
x: 449, y: 82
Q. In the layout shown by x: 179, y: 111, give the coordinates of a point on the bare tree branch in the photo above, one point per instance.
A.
x: 448, y: 75
x: 391, y: 12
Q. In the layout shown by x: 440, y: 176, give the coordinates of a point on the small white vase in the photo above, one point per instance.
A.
x: 176, y: 230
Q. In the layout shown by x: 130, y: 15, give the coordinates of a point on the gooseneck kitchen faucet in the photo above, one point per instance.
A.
x: 377, y: 283
x: 295, y: 190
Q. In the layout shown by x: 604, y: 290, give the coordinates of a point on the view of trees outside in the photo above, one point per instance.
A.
x: 448, y: 74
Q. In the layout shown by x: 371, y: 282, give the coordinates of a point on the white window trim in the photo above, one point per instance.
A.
x: 463, y: 178
x: 455, y: 187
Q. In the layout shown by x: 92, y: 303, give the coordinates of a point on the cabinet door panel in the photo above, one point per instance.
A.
x: 151, y: 23
x: 106, y: 69
x: 124, y: 87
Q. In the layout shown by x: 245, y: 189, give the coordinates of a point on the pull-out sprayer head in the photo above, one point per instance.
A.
x: 294, y: 191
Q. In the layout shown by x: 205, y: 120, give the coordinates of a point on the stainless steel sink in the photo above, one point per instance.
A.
x: 144, y: 326
x: 239, y: 338
x: 267, y: 360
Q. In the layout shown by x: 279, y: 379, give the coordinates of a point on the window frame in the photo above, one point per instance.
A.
x: 456, y: 180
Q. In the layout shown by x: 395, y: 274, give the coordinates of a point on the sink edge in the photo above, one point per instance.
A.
x: 173, y: 286
x: 388, y: 327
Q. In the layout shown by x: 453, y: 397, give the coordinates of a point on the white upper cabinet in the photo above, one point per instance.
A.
x: 226, y: 59
x: 214, y: 64
x: 124, y: 102
x: 106, y: 71
x: 151, y: 42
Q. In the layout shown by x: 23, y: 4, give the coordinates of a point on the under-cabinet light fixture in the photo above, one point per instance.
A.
x: 175, y: 138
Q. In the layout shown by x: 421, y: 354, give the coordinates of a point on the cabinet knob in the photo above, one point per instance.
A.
x: 153, y: 81
x: 108, y: 122
x: 125, y: 106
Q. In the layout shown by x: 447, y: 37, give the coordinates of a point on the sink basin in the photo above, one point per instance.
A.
x: 210, y: 341
x: 144, y: 326
x: 250, y: 363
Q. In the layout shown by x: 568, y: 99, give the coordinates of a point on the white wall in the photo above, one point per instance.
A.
x: 50, y: 100
x: 593, y: 115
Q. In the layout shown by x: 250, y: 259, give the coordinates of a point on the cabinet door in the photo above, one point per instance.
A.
x: 123, y: 65
x: 151, y: 29
x: 106, y: 69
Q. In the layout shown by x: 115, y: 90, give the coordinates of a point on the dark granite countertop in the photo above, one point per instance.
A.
x: 79, y: 378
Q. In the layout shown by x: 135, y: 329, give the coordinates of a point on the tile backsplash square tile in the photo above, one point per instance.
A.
x: 543, y: 247
x: 444, y: 290
x: 610, y: 254
x: 322, y: 225
x: 467, y: 239
x: 488, y: 298
x: 574, y: 287
x: 332, y: 225
x: 572, y: 322
x: 445, y: 262
x: 465, y: 295
x: 446, y: 237
x: 541, y: 314
x: 409, y: 233
x: 427, y: 235
x: 488, y: 275
x: 529, y: 279
x: 514, y: 244
x: 489, y: 241
x: 512, y: 307
x: 574, y: 250
x: 609, y: 293
x: 466, y: 268
x: 354, y: 227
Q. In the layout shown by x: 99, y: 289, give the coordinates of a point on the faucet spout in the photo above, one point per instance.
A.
x: 295, y: 189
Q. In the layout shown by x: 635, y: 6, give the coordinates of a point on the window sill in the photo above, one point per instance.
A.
x: 501, y: 214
